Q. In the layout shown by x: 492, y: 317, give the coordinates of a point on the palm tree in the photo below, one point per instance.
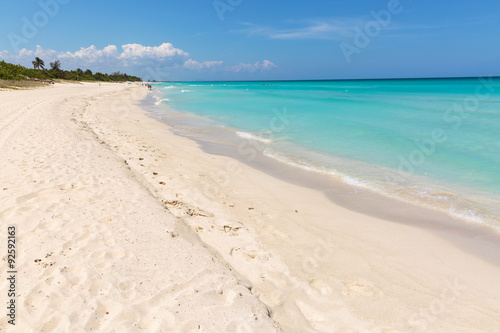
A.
x: 38, y: 63
x: 56, y: 65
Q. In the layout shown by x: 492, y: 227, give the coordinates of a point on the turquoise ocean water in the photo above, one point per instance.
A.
x: 432, y: 142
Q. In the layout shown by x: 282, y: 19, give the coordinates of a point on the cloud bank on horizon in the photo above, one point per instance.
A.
x: 149, y: 62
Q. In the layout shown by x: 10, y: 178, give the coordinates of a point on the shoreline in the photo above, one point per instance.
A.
x: 354, y: 198
x: 479, y: 240
x: 274, y: 251
x: 439, y: 185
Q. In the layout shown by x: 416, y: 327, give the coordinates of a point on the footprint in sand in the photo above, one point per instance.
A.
x: 82, y: 240
x: 50, y: 224
x: 103, y: 265
x: 321, y: 286
x: 97, y: 254
x: 250, y: 254
x: 56, y: 280
x: 100, y: 287
x: 25, y: 198
x: 127, y: 285
x: 35, y: 299
x: 360, y: 288
x: 115, y: 254
x: 75, y: 275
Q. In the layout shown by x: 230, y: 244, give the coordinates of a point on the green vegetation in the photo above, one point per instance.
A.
x: 13, y: 72
x: 56, y: 65
x: 38, y: 63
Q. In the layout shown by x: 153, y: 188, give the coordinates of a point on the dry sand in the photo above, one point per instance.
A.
x: 124, y: 227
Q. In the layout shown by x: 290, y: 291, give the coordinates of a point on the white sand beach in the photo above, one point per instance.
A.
x: 123, y: 226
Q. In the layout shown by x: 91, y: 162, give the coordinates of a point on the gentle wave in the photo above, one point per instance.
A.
x: 185, y: 90
x: 319, y: 169
x: 250, y: 136
x: 414, y: 196
x: 161, y: 101
x: 467, y: 215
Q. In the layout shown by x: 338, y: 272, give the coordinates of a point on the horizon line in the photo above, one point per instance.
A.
x: 364, y: 79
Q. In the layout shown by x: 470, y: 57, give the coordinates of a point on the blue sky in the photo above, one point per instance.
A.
x: 256, y: 39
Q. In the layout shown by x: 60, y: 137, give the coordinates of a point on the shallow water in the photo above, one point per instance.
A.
x: 432, y: 142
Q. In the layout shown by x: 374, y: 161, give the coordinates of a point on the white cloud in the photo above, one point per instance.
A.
x: 263, y: 66
x: 165, y: 50
x: 90, y: 55
x: 195, y: 65
x: 150, y: 62
x: 131, y: 55
x: 266, y: 64
x: 26, y: 53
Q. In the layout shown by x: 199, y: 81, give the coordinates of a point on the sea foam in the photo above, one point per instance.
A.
x: 250, y: 136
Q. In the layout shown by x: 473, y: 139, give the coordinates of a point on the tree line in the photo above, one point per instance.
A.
x: 10, y: 71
